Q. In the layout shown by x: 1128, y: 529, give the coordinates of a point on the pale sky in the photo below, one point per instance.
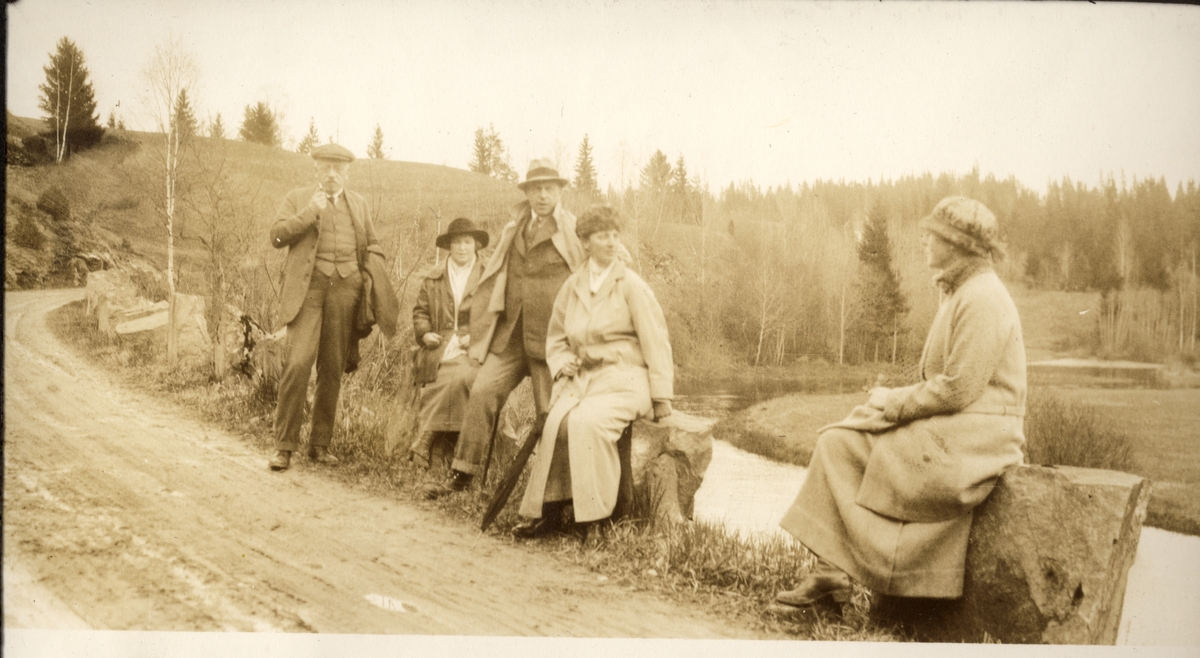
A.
x: 770, y: 91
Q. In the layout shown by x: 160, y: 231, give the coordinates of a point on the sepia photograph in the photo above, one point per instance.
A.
x: 669, y: 327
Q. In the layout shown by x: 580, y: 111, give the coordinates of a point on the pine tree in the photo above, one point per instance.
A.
x: 69, y: 101
x: 656, y: 175
x: 375, y: 148
x: 310, y: 140
x: 679, y: 178
x: 217, y: 129
x: 112, y: 120
x: 481, y: 162
x: 185, y: 119
x: 884, y: 305
x: 259, y: 125
x: 585, y: 171
x: 491, y: 157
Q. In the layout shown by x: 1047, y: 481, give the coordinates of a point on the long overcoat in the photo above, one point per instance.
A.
x: 890, y: 493
x: 620, y: 335
x: 434, y: 311
x: 495, y: 276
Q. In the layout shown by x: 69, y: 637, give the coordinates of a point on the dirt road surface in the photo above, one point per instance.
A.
x: 121, y: 512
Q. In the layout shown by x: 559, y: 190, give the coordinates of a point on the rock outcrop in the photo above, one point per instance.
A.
x: 1047, y: 561
x: 668, y: 460
x: 190, y: 331
x: 114, y: 288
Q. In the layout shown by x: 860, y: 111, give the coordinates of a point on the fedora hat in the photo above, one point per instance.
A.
x: 335, y: 152
x: 542, y: 170
x: 462, y: 226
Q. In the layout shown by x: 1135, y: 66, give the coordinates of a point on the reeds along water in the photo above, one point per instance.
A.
x: 1147, y: 324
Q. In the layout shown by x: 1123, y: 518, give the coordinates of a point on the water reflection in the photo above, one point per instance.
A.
x: 746, y: 492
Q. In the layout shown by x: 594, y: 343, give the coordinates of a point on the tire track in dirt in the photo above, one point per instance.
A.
x: 135, y: 516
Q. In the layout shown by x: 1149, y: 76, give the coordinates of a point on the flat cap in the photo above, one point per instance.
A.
x: 335, y: 152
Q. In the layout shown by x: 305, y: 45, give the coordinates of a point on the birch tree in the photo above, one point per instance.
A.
x: 170, y: 72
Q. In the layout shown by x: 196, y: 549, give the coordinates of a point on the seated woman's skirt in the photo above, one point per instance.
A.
x: 595, y: 406
x: 887, y: 555
x: 444, y: 400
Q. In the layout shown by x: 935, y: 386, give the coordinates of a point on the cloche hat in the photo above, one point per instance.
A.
x: 966, y: 223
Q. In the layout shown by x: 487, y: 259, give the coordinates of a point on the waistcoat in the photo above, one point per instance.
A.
x: 336, y: 247
x: 535, y: 273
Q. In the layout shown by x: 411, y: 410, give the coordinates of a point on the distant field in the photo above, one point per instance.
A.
x: 1056, y: 324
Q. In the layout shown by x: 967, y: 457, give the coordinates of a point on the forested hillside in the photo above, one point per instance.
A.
x: 828, y: 271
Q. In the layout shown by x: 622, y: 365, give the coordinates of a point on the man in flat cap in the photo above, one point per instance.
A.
x: 536, y: 252
x: 328, y: 232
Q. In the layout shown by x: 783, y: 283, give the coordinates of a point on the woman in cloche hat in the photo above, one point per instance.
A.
x: 891, y: 489
x: 443, y: 327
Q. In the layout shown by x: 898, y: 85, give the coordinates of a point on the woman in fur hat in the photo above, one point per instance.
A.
x: 890, y: 490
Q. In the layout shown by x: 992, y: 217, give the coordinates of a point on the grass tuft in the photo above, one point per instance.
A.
x: 1064, y: 432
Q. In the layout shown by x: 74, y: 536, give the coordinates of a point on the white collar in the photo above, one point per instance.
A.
x: 598, y: 275
x: 457, y: 270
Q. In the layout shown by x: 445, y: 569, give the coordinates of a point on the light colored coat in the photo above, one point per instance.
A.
x: 622, y: 331
x: 889, y: 492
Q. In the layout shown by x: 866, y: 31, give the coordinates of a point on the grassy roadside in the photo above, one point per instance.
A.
x: 1148, y: 432
x: 698, y: 564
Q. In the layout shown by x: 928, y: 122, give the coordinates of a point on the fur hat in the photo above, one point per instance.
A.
x: 598, y: 218
x: 967, y: 224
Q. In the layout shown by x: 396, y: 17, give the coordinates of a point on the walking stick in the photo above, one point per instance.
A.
x: 504, y: 490
x: 487, y: 463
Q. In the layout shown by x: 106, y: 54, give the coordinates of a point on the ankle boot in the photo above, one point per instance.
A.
x: 419, y: 452
x: 825, y: 583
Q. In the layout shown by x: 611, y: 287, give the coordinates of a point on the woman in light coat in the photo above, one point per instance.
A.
x: 890, y: 490
x: 608, y: 351
x: 445, y: 319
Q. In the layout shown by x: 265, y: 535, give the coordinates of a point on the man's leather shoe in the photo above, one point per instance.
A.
x: 321, y: 455
x: 281, y: 460
x: 458, y: 481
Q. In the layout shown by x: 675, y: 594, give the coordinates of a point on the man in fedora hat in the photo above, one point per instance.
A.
x: 446, y: 317
x: 328, y: 233
x: 536, y: 252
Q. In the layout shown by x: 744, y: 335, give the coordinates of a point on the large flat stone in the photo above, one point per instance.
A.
x: 1047, y: 561
x: 668, y: 461
x: 114, y: 285
x: 189, y: 331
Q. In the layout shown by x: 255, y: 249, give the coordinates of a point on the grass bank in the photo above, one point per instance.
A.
x: 1144, y: 431
x: 699, y: 564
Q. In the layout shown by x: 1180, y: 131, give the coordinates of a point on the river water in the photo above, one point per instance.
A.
x: 750, y: 494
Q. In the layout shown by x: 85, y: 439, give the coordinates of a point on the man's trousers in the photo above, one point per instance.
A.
x: 498, y: 376
x: 319, y: 334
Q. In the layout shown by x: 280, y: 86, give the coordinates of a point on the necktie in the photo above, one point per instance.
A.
x: 534, y: 226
